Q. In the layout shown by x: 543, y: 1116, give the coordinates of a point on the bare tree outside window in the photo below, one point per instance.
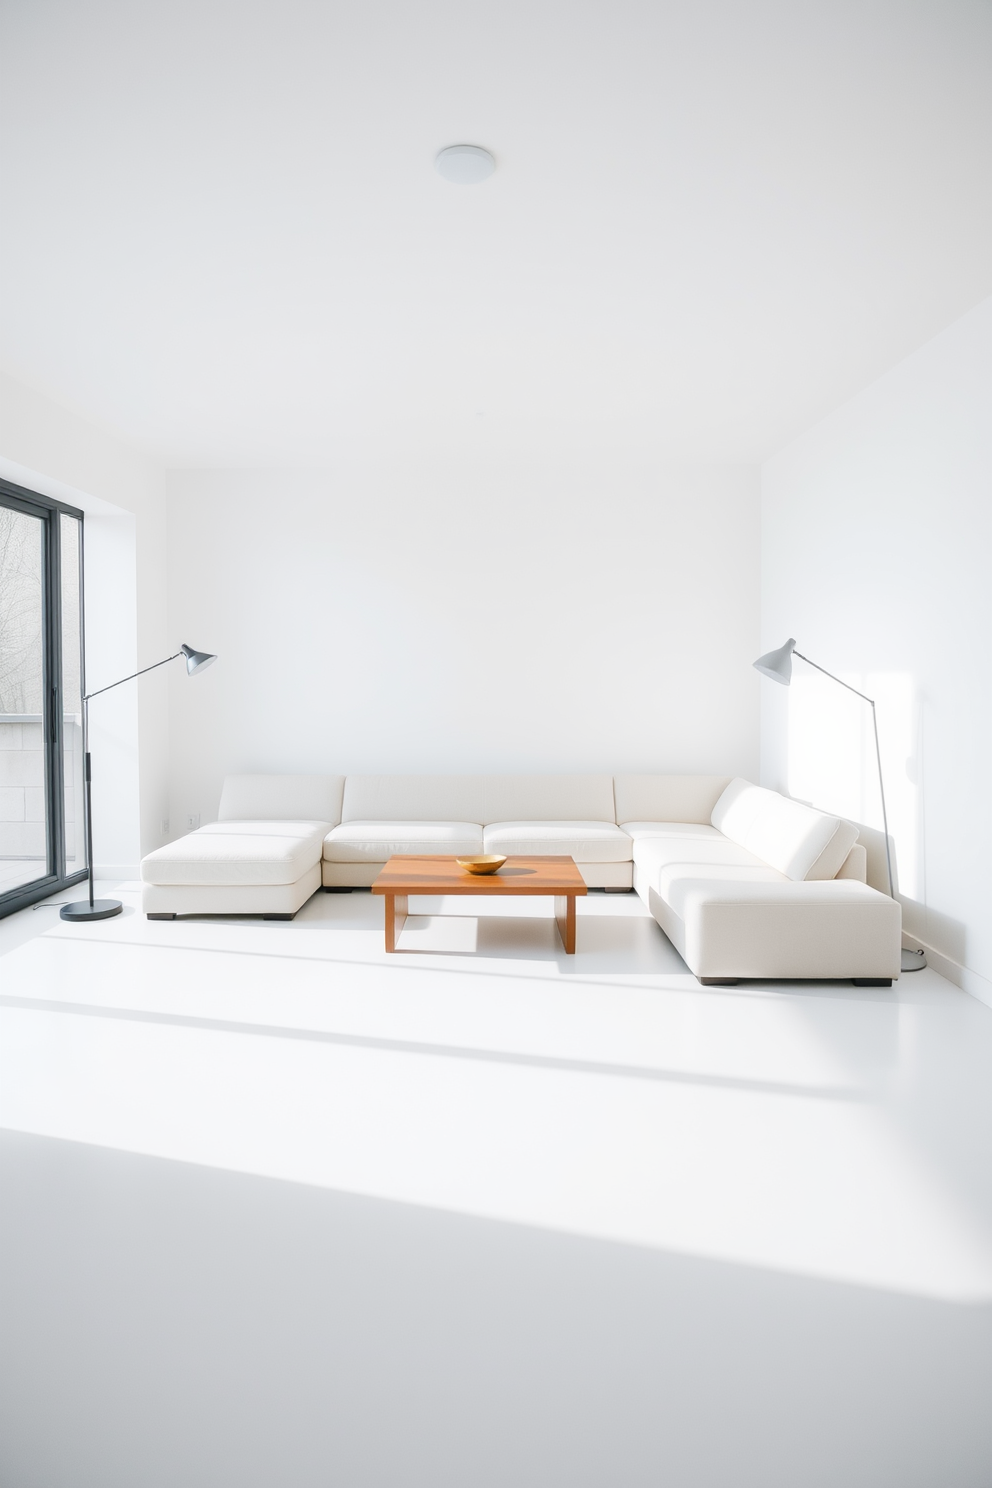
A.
x: 21, y: 612
x: 23, y: 809
x: 71, y: 650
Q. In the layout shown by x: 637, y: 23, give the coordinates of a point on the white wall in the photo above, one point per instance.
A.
x: 463, y: 618
x: 876, y: 557
x: 54, y: 451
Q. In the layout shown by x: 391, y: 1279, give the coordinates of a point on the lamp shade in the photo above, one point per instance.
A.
x: 196, y: 660
x: 777, y: 664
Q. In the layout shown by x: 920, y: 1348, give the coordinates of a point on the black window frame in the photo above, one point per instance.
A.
x: 50, y: 511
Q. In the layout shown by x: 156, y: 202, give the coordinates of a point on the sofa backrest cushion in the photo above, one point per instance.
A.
x: 478, y: 798
x: 548, y: 798
x: 414, y: 798
x: 282, y: 798
x: 799, y: 841
x: 667, y: 798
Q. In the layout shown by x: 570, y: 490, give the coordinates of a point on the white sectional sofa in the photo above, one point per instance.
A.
x: 744, y: 882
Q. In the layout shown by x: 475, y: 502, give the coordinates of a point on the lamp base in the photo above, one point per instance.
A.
x: 913, y: 960
x: 100, y: 909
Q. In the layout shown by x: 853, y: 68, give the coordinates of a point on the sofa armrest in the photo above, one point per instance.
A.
x: 855, y: 865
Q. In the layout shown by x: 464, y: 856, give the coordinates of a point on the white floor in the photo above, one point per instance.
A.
x: 281, y: 1209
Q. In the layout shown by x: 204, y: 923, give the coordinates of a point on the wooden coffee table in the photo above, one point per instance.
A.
x: 407, y: 873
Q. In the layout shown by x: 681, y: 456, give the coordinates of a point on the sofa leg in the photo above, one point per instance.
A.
x: 333, y: 889
x: 611, y: 889
x: 160, y: 917
x: 718, y: 981
x: 872, y: 981
x: 280, y: 916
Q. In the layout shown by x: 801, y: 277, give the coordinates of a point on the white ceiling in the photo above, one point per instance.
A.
x: 224, y: 239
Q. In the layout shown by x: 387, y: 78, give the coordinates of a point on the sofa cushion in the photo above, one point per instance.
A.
x: 801, y: 842
x: 478, y: 798
x: 586, y: 841
x: 544, y: 798
x: 667, y: 798
x: 238, y: 852
x: 413, y: 798
x: 662, y: 861
x: 375, y: 841
x: 281, y: 798
x: 639, y: 829
x: 680, y: 883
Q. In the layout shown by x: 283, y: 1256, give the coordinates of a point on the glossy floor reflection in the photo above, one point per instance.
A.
x: 832, y: 1140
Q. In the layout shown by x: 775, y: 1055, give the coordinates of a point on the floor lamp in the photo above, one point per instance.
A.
x: 778, y: 666
x: 103, y: 909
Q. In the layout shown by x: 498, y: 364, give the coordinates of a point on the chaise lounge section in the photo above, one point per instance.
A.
x: 261, y: 857
x: 767, y: 888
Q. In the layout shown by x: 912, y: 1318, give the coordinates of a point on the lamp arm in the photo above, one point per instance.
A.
x: 110, y: 685
x: 878, y: 757
x: 832, y: 677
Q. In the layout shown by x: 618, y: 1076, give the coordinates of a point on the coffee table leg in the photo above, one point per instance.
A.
x: 396, y: 912
x: 565, y: 919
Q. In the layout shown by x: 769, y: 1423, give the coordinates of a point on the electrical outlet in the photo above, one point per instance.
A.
x: 193, y: 821
x: 164, y: 825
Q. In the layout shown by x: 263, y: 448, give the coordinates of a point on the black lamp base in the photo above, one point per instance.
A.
x: 100, y: 909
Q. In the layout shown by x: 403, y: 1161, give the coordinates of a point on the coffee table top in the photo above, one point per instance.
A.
x: 409, y: 873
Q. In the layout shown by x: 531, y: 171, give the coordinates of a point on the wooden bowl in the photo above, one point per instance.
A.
x: 488, y: 863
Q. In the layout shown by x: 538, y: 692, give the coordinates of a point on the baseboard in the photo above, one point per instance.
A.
x: 962, y: 976
x: 117, y: 871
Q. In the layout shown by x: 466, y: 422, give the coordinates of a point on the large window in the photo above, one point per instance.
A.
x: 41, y: 685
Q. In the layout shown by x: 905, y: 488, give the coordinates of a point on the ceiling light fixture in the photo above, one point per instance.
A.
x: 465, y: 165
